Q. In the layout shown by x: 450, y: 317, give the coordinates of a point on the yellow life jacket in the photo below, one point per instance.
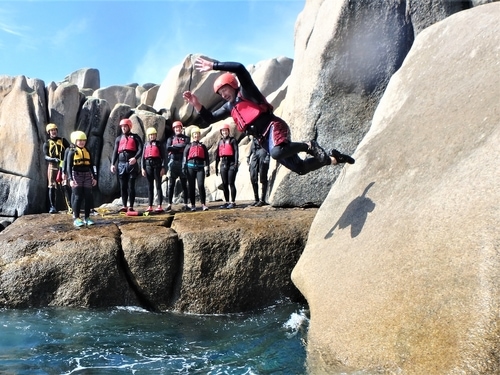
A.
x: 56, y: 148
x: 82, y: 157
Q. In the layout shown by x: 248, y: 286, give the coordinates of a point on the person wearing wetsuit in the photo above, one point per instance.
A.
x: 153, y: 167
x: 175, y: 150
x: 195, y: 164
x: 82, y: 177
x: 258, y: 161
x: 54, y: 151
x: 226, y: 155
x: 254, y: 116
x: 127, y: 152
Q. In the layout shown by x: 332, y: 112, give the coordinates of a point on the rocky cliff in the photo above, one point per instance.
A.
x: 217, y: 261
x: 402, y: 268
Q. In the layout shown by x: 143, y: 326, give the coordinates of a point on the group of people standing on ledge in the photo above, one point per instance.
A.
x: 184, y: 158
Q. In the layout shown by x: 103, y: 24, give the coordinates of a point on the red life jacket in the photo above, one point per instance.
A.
x: 178, y: 141
x: 127, y: 143
x: 196, y: 151
x: 245, y: 112
x: 225, y: 148
x: 151, y: 150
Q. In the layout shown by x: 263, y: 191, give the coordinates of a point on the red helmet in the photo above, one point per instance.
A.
x: 127, y: 122
x: 225, y: 79
x: 225, y: 126
x: 177, y: 123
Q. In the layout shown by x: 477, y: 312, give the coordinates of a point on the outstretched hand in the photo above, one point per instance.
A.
x: 192, y: 99
x: 203, y: 65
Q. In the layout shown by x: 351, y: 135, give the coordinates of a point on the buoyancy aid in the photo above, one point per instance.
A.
x: 81, y: 158
x: 56, y: 148
x: 127, y: 143
x: 196, y: 151
x: 245, y: 111
x: 178, y: 141
x: 225, y: 148
x: 152, y: 150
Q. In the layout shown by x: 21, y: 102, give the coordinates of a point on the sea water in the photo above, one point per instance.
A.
x: 130, y: 340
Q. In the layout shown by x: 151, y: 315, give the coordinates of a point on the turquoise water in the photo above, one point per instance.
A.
x: 129, y: 340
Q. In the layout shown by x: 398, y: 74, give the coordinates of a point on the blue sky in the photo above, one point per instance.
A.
x: 139, y: 41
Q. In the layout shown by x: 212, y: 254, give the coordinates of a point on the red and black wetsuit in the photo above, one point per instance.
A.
x: 175, y: 149
x: 195, y: 159
x: 272, y: 132
x: 153, y: 161
x: 127, y: 146
x: 227, y: 155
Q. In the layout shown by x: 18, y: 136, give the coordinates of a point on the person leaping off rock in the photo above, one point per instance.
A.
x: 254, y: 116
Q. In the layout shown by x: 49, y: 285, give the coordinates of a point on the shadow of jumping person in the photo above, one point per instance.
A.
x: 355, y: 214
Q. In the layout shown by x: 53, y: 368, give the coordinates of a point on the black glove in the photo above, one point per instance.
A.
x: 207, y: 171
x: 216, y: 172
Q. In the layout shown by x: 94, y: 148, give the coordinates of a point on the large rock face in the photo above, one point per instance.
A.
x: 345, y: 53
x: 23, y: 172
x: 207, y: 262
x: 402, y: 268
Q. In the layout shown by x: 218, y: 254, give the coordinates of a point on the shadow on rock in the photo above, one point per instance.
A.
x: 355, y: 214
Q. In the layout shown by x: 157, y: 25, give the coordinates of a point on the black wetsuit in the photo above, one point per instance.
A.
x: 272, y: 132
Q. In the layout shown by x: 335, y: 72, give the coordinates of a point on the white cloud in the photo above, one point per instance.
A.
x: 61, y: 36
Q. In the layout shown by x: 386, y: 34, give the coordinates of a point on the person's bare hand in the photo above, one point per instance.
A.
x: 192, y: 99
x: 203, y: 65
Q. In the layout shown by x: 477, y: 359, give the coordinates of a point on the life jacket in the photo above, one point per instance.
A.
x: 225, y: 148
x: 127, y: 143
x: 245, y: 111
x: 56, y: 148
x: 178, y: 141
x: 82, y: 157
x: 196, y: 151
x: 151, y: 150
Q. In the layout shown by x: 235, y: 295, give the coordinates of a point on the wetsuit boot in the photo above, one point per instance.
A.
x: 52, y: 200
x: 262, y: 201
x: 264, y: 192
x: 255, y: 187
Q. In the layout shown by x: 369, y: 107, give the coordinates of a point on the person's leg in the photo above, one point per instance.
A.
x: 51, y: 176
x: 302, y: 166
x: 124, y: 181
x: 225, y: 181
x: 231, y: 181
x: 184, y: 186
x: 159, y: 190
x: 78, y: 196
x: 67, y: 196
x: 191, y: 177
x: 200, y: 176
x: 150, y: 177
x: 171, y: 186
x: 254, y: 173
x: 287, y: 149
x: 263, y: 171
x: 52, y: 200
x: 87, y: 194
x: 286, y: 152
x: 131, y: 190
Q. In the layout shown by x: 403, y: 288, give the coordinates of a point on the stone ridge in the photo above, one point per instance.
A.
x: 219, y: 261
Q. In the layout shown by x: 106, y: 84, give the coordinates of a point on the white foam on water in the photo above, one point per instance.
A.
x: 297, y: 322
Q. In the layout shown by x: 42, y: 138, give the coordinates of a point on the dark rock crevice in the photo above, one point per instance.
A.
x: 128, y: 275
